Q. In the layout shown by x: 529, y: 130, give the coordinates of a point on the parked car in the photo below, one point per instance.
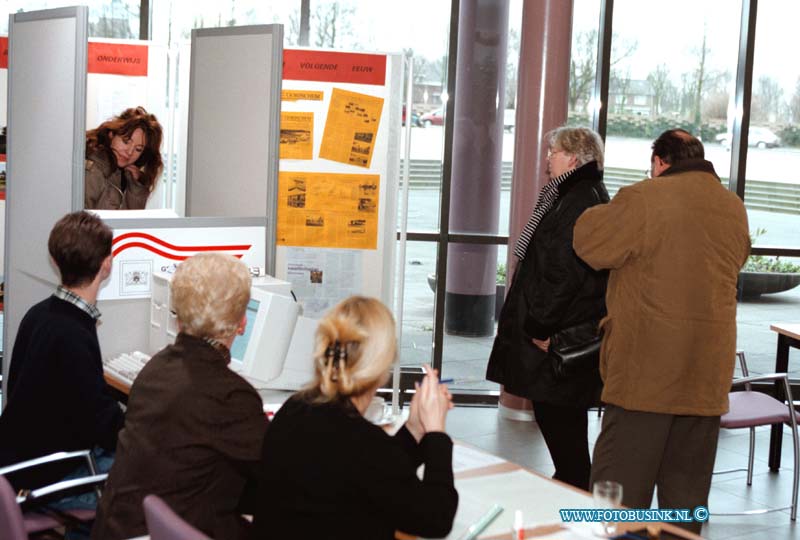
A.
x: 756, y: 136
x: 415, y: 120
x: 433, y: 118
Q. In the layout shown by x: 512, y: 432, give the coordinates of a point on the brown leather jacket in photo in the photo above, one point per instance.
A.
x: 103, y: 186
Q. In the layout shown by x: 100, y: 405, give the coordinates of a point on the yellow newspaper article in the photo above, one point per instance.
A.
x: 328, y: 210
x: 297, y: 135
x: 351, y: 128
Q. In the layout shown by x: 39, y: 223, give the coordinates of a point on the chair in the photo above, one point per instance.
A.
x: 750, y: 409
x: 18, y: 512
x: 164, y: 524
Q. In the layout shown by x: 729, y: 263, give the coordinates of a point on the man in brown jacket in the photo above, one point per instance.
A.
x: 674, y: 245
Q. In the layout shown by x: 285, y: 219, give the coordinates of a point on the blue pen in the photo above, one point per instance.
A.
x: 446, y: 381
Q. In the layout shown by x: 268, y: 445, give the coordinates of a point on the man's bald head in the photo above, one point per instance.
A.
x: 676, y: 145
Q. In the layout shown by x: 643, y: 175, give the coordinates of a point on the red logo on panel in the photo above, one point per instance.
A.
x: 170, y: 251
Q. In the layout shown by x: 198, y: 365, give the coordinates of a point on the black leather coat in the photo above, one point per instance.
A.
x: 552, y: 289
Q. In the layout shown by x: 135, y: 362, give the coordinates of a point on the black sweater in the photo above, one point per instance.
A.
x: 329, y: 473
x: 57, y: 398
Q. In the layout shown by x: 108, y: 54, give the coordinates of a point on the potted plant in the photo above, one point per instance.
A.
x: 766, y: 275
x: 500, y: 291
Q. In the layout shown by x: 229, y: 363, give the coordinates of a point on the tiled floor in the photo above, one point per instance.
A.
x: 522, y: 443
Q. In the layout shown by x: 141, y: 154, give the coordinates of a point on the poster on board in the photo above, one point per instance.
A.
x: 337, y: 210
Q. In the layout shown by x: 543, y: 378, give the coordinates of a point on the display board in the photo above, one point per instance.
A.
x: 339, y: 173
x: 46, y: 124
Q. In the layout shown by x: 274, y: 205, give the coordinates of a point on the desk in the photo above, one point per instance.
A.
x: 788, y: 336
x: 515, y: 487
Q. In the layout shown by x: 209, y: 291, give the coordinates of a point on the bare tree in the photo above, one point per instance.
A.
x: 114, y: 21
x: 512, y: 63
x: 699, y: 81
x: 767, y: 100
x: 794, y: 106
x: 331, y: 22
x: 582, y: 68
x: 583, y: 64
x: 659, y: 82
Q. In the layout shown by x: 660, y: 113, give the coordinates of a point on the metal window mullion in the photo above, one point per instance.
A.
x: 603, y: 71
x: 444, y: 207
x: 144, y: 20
x: 742, y: 99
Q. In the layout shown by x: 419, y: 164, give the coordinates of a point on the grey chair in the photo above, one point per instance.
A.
x: 750, y: 409
x: 164, y: 524
x: 19, y: 510
x: 11, y: 521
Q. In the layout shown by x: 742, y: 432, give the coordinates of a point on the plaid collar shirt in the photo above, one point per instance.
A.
x: 68, y: 296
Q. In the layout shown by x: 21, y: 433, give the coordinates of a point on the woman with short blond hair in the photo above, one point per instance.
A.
x: 194, y: 428
x: 327, y: 472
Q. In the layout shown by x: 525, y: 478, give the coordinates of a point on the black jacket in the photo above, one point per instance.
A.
x: 328, y: 473
x: 57, y: 398
x: 552, y: 289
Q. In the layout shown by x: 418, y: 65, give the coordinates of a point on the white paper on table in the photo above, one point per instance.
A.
x: 538, y: 498
x: 468, y: 459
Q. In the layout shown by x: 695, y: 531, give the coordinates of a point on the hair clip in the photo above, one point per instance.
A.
x: 337, y: 352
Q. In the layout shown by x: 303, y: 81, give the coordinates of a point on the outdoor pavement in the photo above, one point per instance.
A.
x: 465, y: 358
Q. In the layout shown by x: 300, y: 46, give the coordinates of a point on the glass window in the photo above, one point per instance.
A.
x: 676, y: 73
x: 772, y: 188
x: 417, y: 302
x: 583, y: 61
x: 475, y: 294
x: 117, y: 19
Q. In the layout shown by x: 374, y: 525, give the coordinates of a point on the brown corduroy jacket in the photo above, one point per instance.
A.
x: 674, y: 245
x: 193, y: 434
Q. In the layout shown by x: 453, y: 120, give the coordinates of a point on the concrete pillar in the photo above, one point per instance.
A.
x: 541, y: 106
x: 477, y: 162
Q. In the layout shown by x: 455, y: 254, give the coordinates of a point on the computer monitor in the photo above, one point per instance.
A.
x: 260, y: 352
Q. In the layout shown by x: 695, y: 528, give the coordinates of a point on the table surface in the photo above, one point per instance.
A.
x: 539, y: 497
x: 787, y: 329
x: 500, y: 481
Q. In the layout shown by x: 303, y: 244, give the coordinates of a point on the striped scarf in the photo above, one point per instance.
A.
x: 547, y: 197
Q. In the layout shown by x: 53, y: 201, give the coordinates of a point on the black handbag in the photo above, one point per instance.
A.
x: 575, y: 351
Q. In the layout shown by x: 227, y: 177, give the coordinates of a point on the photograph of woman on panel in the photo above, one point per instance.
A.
x: 123, y: 161
x: 327, y: 472
x: 547, y: 343
x: 193, y: 429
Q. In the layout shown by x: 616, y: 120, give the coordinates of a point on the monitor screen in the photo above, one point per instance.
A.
x: 260, y: 352
x: 239, y: 346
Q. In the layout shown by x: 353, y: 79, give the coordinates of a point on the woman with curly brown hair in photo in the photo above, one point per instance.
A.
x: 123, y: 161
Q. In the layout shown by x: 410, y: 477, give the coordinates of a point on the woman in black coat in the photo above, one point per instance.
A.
x: 552, y: 291
x: 327, y: 472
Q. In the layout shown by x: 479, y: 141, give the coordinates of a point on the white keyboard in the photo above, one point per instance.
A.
x: 126, y: 366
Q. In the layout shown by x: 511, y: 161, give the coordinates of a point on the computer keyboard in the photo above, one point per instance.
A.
x: 126, y: 366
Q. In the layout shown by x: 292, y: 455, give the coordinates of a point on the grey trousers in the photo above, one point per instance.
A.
x: 644, y: 450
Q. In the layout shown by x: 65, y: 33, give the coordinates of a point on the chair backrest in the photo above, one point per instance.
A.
x: 11, y: 522
x: 164, y: 524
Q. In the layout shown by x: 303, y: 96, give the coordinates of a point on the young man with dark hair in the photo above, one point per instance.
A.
x: 674, y: 244
x: 57, y: 398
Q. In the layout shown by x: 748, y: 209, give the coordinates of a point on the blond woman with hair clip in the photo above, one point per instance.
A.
x: 327, y: 472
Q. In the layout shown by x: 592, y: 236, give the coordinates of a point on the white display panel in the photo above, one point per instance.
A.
x: 233, y: 121
x: 46, y: 124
